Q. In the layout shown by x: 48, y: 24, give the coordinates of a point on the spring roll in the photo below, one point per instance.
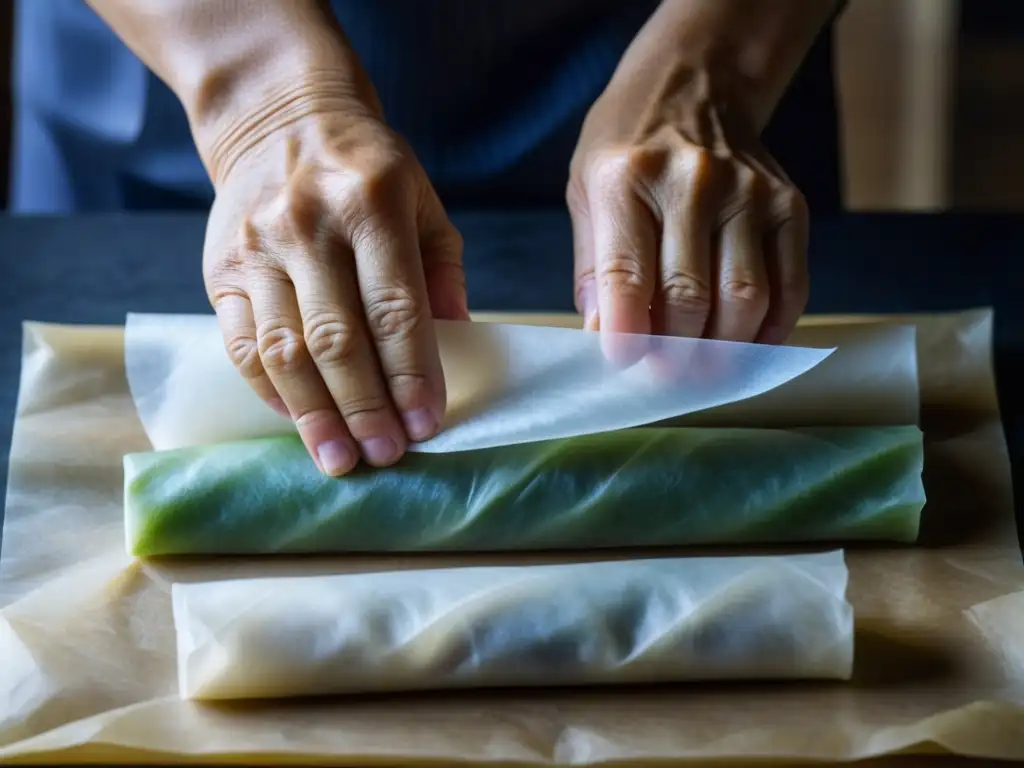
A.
x: 671, y: 620
x: 634, y: 488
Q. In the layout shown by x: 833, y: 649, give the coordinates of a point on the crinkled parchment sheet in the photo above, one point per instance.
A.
x: 86, y: 644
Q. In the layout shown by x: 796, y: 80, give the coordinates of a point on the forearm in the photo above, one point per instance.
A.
x: 750, y: 47
x: 241, y: 65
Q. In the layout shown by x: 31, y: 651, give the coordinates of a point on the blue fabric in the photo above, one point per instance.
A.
x: 490, y: 93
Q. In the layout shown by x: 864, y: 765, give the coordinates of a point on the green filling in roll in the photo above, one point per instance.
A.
x: 634, y: 488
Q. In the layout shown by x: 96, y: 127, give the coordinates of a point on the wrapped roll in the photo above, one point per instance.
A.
x: 591, y: 623
x: 634, y: 488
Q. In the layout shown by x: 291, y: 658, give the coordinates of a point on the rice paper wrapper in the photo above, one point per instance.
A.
x: 88, y: 643
x: 512, y: 383
x: 643, y: 487
x: 647, y: 621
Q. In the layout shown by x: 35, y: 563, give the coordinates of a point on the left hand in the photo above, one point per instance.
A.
x: 683, y: 224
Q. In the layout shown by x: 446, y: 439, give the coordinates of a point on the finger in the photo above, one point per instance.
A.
x: 441, y: 252
x: 786, y: 261
x: 238, y: 328
x: 393, y: 289
x: 286, y: 360
x: 742, y: 287
x: 343, y: 352
x: 682, y: 301
x: 626, y: 250
x: 584, y: 279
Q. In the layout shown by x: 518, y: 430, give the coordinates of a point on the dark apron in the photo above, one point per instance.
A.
x: 490, y: 93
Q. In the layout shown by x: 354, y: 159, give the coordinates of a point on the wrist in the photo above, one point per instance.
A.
x: 739, y: 52
x: 265, y: 83
x: 253, y: 109
x: 241, y: 67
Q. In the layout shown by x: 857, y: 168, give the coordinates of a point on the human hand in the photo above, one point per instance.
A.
x: 683, y: 223
x: 327, y: 253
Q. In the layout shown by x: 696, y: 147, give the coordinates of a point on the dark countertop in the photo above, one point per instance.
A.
x: 95, y: 269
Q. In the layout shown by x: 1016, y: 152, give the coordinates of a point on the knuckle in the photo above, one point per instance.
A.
x: 300, y: 215
x: 331, y: 338
x: 790, y: 203
x: 584, y: 276
x: 695, y: 169
x: 687, y: 293
x: 609, y: 170
x: 647, y: 163
x: 623, y: 274
x: 407, y: 382
x: 584, y: 281
x: 365, y: 414
x: 281, y: 347
x: 575, y: 198
x: 314, y: 418
x: 250, y: 239
x: 744, y: 291
x: 452, y: 240
x: 699, y: 162
x: 244, y: 354
x: 379, y: 180
x: 393, y: 312
x: 224, y: 273
x: 628, y: 167
x: 408, y: 387
x: 748, y: 181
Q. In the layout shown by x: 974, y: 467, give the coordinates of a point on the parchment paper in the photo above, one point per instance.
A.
x: 86, y: 640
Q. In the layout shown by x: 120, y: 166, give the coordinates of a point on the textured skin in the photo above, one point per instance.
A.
x: 643, y: 487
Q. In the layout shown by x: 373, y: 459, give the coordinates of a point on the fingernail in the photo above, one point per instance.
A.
x: 379, y: 450
x: 278, y: 405
x: 420, y: 424
x: 336, y: 457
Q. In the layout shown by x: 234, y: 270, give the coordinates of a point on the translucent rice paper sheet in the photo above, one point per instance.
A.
x: 87, y: 642
x: 506, y: 383
x: 664, y: 620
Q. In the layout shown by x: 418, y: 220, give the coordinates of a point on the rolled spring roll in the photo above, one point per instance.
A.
x: 643, y: 487
x: 583, y: 624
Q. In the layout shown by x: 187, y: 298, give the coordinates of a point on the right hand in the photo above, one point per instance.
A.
x: 327, y: 254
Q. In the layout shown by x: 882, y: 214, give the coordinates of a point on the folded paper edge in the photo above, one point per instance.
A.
x: 138, y: 318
